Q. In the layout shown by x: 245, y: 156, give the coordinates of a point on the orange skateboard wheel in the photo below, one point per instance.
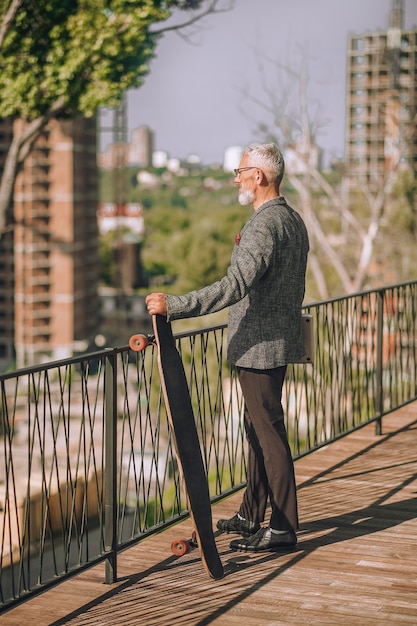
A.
x: 138, y: 342
x: 180, y: 547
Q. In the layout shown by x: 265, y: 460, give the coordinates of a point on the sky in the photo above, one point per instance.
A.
x: 196, y: 100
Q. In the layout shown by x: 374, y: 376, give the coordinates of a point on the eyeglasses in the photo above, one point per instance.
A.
x: 242, y: 169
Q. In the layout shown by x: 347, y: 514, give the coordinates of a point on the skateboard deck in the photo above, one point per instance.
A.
x: 181, y: 419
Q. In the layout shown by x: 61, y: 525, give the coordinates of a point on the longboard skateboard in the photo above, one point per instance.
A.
x: 190, y: 461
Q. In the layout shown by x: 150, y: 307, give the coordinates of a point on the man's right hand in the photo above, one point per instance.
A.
x: 157, y: 304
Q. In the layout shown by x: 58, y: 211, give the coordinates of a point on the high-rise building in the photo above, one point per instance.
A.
x: 382, y: 101
x: 54, y: 250
x: 137, y: 153
x: 141, y: 147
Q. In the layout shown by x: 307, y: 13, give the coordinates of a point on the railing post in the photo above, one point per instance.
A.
x: 110, y: 505
x: 379, y: 400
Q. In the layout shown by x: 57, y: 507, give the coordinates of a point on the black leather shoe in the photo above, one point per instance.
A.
x: 265, y: 540
x: 237, y: 525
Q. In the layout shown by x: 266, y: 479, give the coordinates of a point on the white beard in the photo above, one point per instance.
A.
x: 246, y: 196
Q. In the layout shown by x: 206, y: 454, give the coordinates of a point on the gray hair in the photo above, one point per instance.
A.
x: 269, y: 159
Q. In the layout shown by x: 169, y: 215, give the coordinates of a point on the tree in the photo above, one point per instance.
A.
x: 342, y: 234
x: 69, y: 57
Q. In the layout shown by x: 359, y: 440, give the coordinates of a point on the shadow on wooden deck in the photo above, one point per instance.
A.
x: 354, y: 564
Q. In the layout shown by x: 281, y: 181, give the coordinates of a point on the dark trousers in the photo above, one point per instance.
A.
x: 270, y: 471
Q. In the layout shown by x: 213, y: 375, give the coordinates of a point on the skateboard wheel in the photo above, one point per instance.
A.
x: 138, y: 342
x: 180, y: 547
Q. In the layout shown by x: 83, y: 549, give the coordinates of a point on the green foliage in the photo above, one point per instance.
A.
x: 107, y: 266
x: 191, y: 222
x: 405, y: 202
x: 190, y: 225
x: 87, y: 53
x: 177, y: 200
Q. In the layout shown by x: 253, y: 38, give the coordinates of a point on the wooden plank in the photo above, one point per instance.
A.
x: 354, y: 564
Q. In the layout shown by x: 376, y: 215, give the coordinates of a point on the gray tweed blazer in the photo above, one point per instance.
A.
x: 264, y: 288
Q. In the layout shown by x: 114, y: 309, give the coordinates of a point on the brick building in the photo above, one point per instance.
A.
x: 52, y: 258
x: 382, y: 101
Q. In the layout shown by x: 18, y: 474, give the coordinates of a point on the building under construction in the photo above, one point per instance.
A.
x: 49, y: 262
x: 381, y: 102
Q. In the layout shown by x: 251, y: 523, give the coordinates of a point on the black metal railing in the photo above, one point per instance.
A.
x: 88, y: 464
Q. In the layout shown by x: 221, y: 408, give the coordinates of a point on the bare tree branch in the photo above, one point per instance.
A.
x: 348, y: 247
x: 20, y: 147
x: 316, y: 231
x: 8, y: 19
x: 211, y: 9
x: 336, y: 201
x: 376, y: 204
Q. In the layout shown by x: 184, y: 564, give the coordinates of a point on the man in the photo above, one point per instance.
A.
x: 264, y: 288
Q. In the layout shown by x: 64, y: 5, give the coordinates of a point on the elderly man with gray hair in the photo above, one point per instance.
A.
x: 264, y: 287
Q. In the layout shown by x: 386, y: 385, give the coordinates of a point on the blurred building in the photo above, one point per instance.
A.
x: 124, y: 218
x: 232, y: 158
x: 125, y: 223
x: 137, y: 153
x: 159, y: 158
x: 141, y: 147
x: 52, y: 258
x: 382, y: 101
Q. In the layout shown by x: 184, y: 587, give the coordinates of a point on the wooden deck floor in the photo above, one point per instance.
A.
x: 355, y: 564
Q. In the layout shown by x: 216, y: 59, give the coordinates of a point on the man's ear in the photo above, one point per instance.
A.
x: 260, y: 177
